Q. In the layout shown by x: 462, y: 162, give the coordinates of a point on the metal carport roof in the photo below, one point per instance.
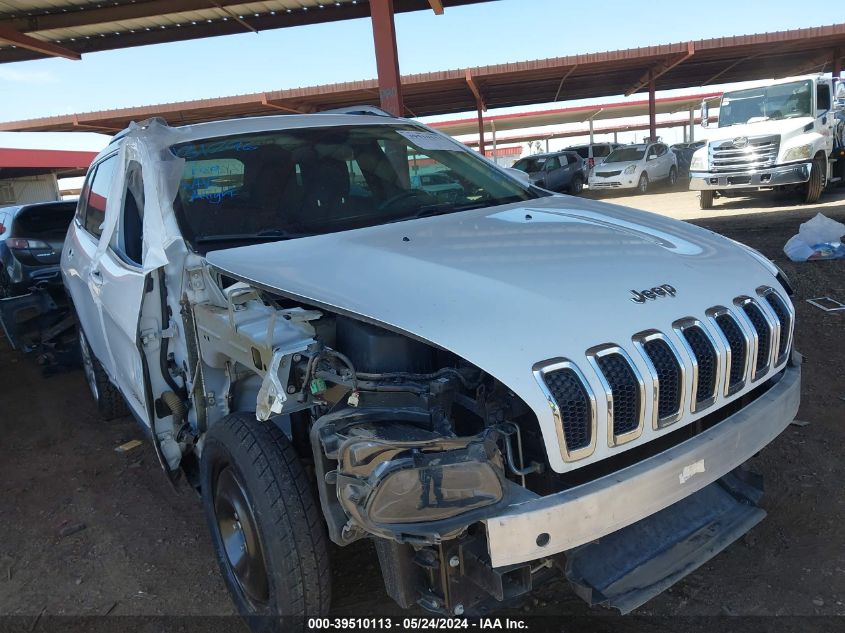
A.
x: 32, y: 29
x: 679, y: 65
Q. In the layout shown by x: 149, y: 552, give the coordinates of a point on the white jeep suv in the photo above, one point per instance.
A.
x: 495, y: 388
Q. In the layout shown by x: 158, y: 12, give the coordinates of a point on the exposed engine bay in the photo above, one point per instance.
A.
x: 409, y: 443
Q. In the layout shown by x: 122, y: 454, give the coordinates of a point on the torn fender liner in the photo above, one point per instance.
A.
x: 629, y: 567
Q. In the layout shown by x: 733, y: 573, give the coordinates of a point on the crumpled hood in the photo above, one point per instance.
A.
x: 509, y: 286
x: 782, y: 127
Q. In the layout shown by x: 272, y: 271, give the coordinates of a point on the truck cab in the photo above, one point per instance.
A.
x: 787, y: 133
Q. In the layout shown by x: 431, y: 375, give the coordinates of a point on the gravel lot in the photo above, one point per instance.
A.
x: 144, y: 548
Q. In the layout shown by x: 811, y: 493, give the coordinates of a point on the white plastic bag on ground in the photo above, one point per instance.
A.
x: 818, y: 238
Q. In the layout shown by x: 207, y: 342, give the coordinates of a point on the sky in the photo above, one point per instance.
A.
x: 487, y: 33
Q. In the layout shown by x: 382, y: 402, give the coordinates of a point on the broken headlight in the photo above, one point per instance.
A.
x: 382, y: 483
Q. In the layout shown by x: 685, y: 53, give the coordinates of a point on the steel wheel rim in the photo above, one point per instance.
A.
x: 88, y: 366
x: 239, y: 535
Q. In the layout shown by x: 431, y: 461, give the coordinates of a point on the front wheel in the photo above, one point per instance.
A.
x: 812, y: 189
x: 673, y: 177
x: 577, y: 185
x: 705, y: 199
x: 267, y: 532
x: 642, y: 185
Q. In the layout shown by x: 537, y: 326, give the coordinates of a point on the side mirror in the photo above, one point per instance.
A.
x: 839, y: 91
x: 705, y: 113
x: 520, y: 175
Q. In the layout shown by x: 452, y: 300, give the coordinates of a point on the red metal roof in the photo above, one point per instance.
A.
x: 678, y: 65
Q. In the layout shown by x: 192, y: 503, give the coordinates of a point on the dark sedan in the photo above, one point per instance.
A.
x: 31, y: 245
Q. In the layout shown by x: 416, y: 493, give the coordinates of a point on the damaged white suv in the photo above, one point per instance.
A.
x: 495, y: 387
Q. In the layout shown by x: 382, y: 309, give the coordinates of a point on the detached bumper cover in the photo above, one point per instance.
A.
x: 771, y: 177
x: 597, y: 508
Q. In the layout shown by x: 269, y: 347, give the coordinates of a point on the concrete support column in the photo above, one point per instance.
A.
x: 652, y: 108
x: 493, y: 130
x: 387, y: 57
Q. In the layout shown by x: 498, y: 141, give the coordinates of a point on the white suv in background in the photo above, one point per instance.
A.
x: 636, y: 167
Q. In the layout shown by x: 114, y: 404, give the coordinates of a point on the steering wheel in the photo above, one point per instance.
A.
x: 404, y: 195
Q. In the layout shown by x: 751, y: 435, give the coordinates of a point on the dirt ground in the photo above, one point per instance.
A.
x: 144, y: 548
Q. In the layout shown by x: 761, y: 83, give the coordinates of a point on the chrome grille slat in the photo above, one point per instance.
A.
x: 785, y: 320
x: 624, y: 392
x: 759, y: 153
x: 706, y: 361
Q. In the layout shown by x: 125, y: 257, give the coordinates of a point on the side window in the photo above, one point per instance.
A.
x: 822, y: 97
x: 661, y: 149
x: 95, y: 207
x: 601, y: 151
x: 553, y: 163
x: 128, y: 239
x: 571, y: 159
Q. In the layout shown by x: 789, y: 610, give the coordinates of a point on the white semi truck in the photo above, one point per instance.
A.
x: 786, y: 134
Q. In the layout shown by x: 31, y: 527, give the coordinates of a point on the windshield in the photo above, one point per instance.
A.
x: 292, y: 183
x: 530, y: 165
x: 783, y: 101
x: 625, y: 154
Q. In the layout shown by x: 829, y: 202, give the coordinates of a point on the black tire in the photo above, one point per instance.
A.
x: 577, y: 185
x: 812, y: 189
x: 5, y: 284
x: 673, y: 176
x: 705, y: 199
x: 110, y: 402
x: 255, y: 493
x: 642, y: 183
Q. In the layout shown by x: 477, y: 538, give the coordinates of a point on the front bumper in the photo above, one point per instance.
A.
x: 587, y: 512
x: 619, y: 182
x: 772, y: 177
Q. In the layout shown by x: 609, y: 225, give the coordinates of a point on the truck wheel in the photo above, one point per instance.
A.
x: 812, y: 189
x: 577, y: 185
x: 673, y: 177
x: 267, y: 532
x: 705, y: 199
x: 642, y: 185
x: 110, y: 402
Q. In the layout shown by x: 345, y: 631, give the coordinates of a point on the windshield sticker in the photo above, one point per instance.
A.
x: 430, y: 140
x: 205, y: 150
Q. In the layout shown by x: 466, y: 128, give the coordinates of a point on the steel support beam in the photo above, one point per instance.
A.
x: 436, y: 6
x: 387, y: 57
x: 691, y: 125
x: 566, y: 75
x: 837, y: 62
x: 481, y: 107
x: 652, y: 107
x: 39, y: 46
x: 661, y: 69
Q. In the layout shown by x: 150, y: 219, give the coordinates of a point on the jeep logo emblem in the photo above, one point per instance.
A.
x: 740, y: 142
x: 653, y: 293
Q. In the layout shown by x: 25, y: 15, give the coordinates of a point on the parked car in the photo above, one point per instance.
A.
x: 472, y: 385
x: 636, y: 167
x: 439, y: 184
x: 684, y: 152
x: 558, y: 171
x: 31, y: 238
x: 594, y: 154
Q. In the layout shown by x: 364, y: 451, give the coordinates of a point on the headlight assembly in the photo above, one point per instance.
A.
x: 698, y: 163
x: 400, y: 486
x: 630, y: 169
x: 802, y: 152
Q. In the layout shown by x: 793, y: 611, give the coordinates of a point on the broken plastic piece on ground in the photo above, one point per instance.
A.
x: 799, y: 423
x: 128, y: 446
x: 827, y: 304
x: 818, y: 238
